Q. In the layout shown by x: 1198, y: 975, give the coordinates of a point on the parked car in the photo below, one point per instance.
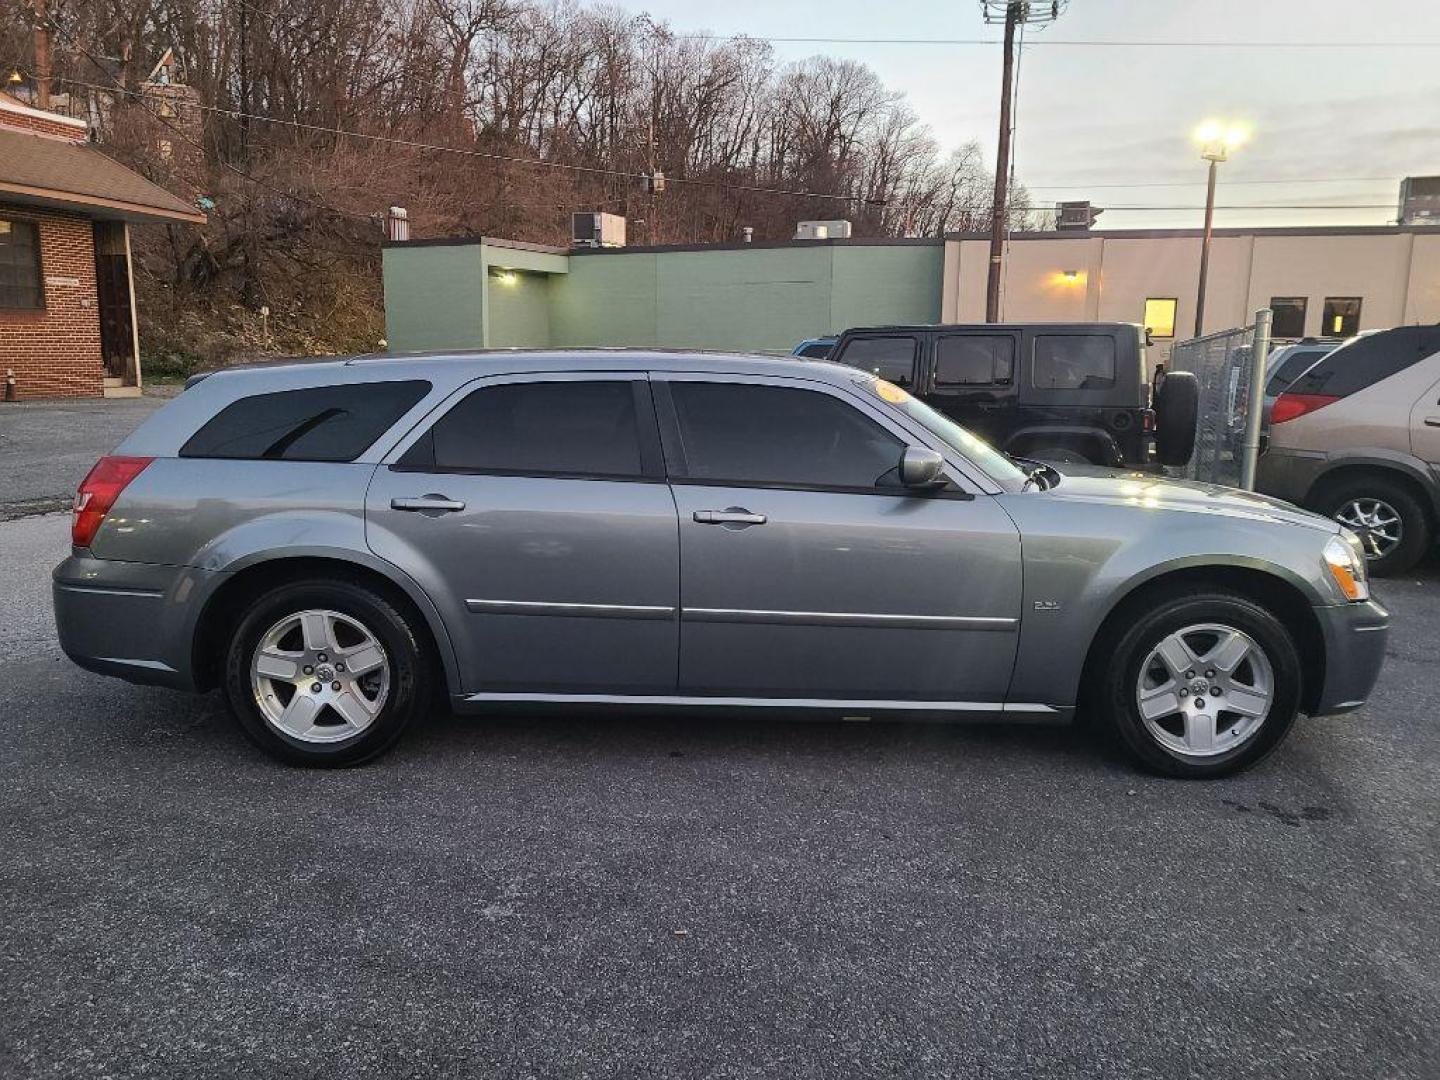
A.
x: 1287, y: 363
x: 1065, y: 393
x: 1357, y: 438
x: 814, y: 348
x: 331, y: 543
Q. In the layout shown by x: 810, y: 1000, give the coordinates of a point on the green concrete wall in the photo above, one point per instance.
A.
x: 763, y: 299
x: 434, y: 297
x: 518, y: 312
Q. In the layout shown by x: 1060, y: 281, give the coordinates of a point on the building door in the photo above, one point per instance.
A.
x: 112, y: 284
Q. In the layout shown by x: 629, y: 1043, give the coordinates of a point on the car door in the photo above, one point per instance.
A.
x: 973, y: 380
x: 808, y: 572
x: 535, y: 514
x: 1425, y: 427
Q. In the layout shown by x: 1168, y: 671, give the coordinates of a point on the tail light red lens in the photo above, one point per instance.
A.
x: 97, y: 494
x: 1289, y: 406
x: 1147, y: 420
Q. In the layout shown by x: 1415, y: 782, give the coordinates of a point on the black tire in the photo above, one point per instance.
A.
x: 409, y: 674
x: 1177, y: 411
x: 1415, y: 532
x: 1116, y: 684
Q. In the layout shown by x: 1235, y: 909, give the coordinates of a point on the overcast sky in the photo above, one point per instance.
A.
x: 1357, y: 118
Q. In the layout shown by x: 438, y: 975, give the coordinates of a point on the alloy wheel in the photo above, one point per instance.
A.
x: 319, y: 676
x: 1205, y: 690
x: 1376, y: 522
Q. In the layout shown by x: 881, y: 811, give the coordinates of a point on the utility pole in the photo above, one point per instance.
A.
x: 1205, y: 249
x: 1012, y: 13
x: 43, y: 70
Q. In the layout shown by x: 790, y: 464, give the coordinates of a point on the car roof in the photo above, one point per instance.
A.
x: 470, y: 363
x: 1051, y: 327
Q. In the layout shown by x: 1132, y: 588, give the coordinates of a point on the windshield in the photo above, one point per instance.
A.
x: 974, y: 448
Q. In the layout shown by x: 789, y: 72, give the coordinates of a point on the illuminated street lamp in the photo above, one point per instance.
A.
x: 1216, y: 141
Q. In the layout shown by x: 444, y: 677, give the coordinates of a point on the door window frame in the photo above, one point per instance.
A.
x: 963, y: 481
x: 652, y: 461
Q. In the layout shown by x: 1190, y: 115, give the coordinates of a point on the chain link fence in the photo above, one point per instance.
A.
x: 1223, y: 365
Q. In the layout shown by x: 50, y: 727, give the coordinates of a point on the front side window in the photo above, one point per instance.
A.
x: 318, y: 423
x: 778, y: 436
x: 1074, y: 362
x: 1342, y: 316
x: 538, y: 429
x: 21, y: 286
x: 1287, y: 316
x: 891, y: 358
x: 975, y: 360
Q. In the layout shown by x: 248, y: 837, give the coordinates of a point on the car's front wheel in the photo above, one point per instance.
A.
x: 1202, y: 685
x: 325, y: 673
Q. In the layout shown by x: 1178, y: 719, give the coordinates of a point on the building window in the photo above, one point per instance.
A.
x: 1160, y: 316
x: 1289, y: 316
x: 1342, y: 316
x: 21, y: 285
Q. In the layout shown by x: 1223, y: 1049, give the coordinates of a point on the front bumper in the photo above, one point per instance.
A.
x: 1354, y: 653
x: 135, y: 621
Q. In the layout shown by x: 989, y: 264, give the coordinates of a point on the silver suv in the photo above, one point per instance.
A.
x: 332, y: 543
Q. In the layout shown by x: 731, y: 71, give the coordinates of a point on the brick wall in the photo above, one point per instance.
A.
x: 55, y: 352
x: 59, y: 126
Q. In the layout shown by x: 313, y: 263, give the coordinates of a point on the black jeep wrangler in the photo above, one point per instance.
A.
x: 1054, y: 392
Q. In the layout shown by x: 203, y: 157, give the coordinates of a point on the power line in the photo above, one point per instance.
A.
x: 1269, y: 44
x: 1201, y: 183
x: 596, y: 170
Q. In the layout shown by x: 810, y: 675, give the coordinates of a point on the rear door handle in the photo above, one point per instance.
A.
x: 435, y: 504
x: 1432, y: 421
x: 734, y: 515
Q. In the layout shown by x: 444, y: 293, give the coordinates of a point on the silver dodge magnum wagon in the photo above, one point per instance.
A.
x: 333, y: 543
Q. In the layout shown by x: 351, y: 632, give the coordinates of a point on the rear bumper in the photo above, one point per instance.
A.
x: 135, y: 621
x: 1288, y: 474
x: 1354, y: 653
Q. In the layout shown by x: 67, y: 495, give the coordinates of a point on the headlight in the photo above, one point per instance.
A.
x: 1345, y: 559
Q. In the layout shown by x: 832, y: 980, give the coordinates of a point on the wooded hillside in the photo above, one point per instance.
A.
x: 304, y: 119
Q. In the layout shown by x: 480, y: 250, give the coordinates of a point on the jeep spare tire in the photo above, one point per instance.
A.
x: 1177, y: 410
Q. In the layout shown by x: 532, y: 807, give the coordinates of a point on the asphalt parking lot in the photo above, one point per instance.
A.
x: 630, y: 896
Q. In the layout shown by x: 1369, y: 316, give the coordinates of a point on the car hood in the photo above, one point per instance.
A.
x: 1119, y: 488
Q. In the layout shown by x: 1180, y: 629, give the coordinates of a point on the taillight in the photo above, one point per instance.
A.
x: 97, y: 494
x: 1147, y: 419
x: 1288, y: 406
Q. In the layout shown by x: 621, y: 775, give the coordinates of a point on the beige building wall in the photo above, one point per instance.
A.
x: 1107, y: 277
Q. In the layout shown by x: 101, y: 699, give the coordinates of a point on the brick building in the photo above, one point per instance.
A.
x: 67, y: 307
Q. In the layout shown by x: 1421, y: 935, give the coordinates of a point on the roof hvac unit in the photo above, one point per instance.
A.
x: 822, y: 230
x: 597, y: 230
x: 1075, y: 215
x: 1420, y: 200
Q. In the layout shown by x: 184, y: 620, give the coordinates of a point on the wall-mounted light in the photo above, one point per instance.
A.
x: 507, y: 277
x: 1070, y: 276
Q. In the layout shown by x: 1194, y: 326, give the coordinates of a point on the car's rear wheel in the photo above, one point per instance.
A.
x: 325, y: 673
x: 1202, y: 685
x: 1389, y: 519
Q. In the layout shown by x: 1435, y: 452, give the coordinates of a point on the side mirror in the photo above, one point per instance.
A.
x: 921, y: 467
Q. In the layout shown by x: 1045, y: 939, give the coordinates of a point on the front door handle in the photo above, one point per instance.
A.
x: 731, y: 515
x: 1432, y: 421
x: 433, y: 504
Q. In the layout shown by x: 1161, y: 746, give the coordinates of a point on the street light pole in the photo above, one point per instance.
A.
x: 1216, y: 142
x: 1205, y: 248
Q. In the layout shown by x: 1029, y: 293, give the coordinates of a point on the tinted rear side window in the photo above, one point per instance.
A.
x: 1292, y: 367
x: 1074, y: 362
x: 817, y: 350
x: 537, y: 429
x: 891, y: 358
x: 318, y: 423
x: 780, y: 436
x: 1368, y: 360
x: 974, y: 360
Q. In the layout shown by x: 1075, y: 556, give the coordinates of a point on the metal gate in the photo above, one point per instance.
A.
x: 1224, y: 367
